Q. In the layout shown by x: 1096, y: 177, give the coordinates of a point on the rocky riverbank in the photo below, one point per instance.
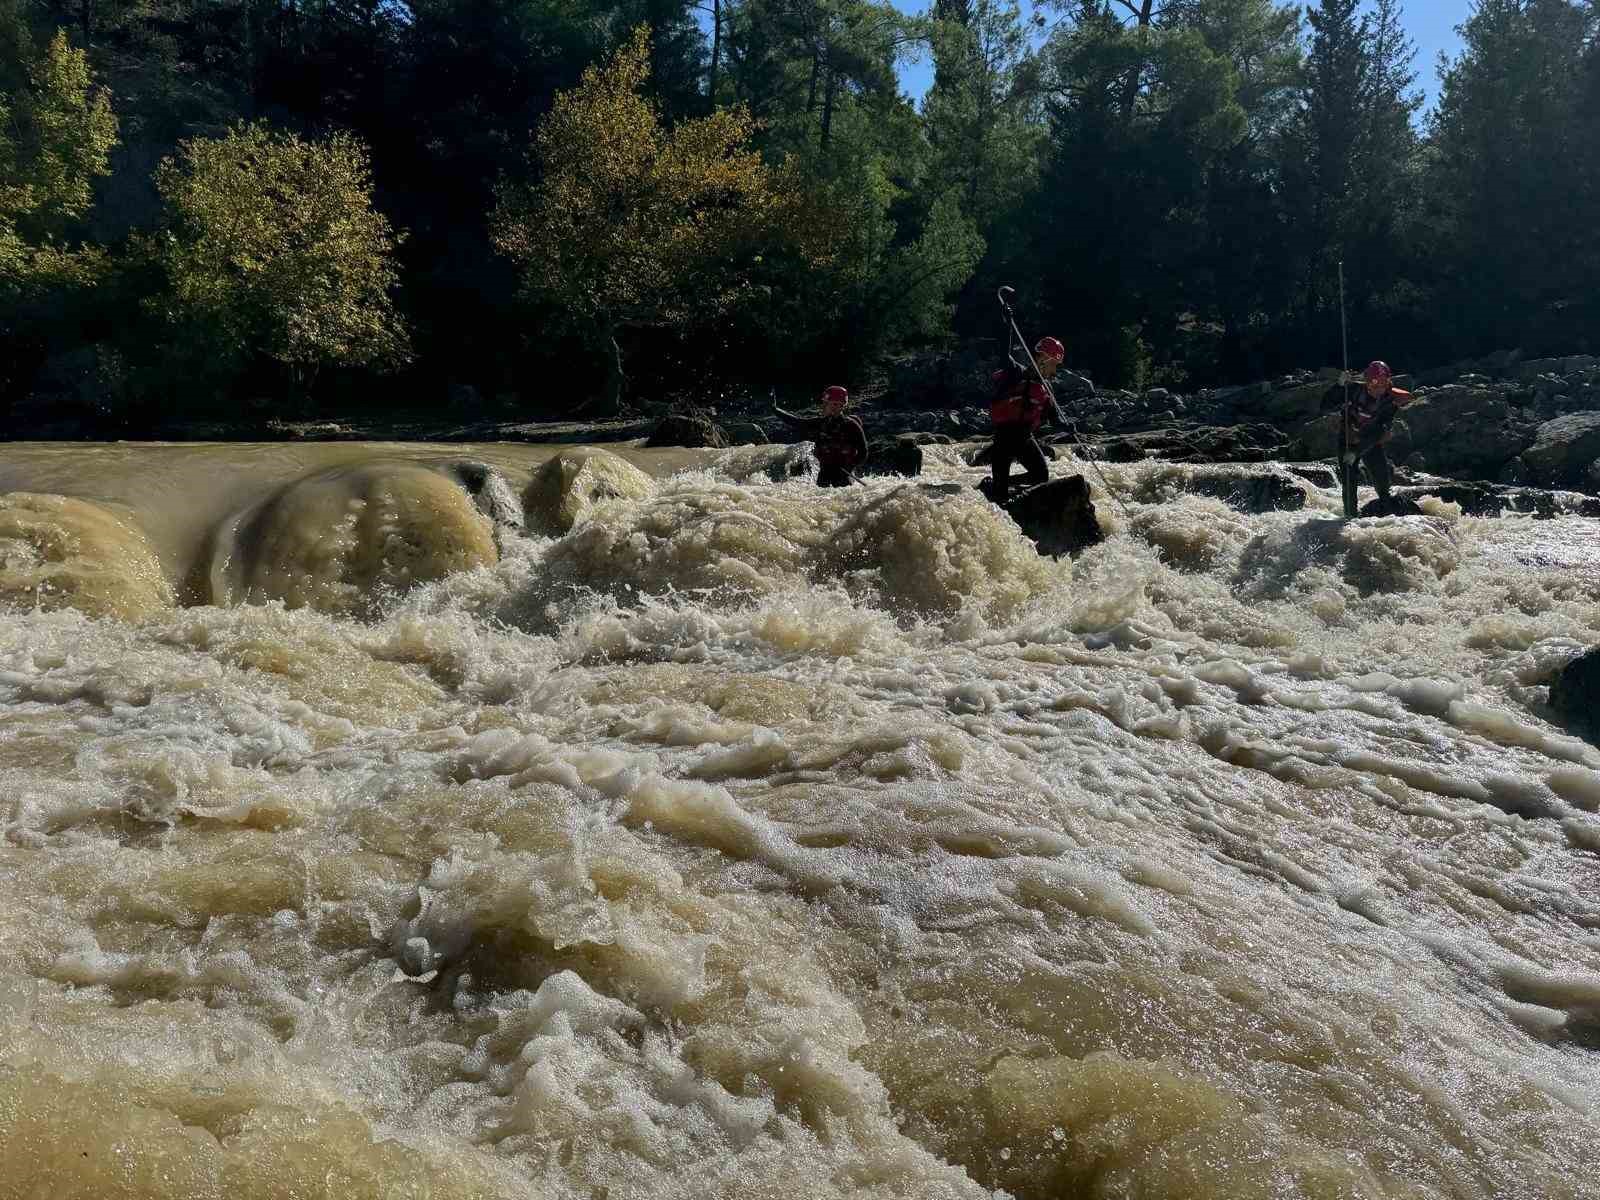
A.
x: 1499, y: 435
x: 1502, y: 421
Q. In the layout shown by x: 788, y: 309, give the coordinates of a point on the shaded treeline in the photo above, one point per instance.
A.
x: 314, y: 204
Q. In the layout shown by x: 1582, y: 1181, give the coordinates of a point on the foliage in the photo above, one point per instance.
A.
x: 632, y: 224
x: 273, y: 247
x: 1514, y: 143
x: 56, y: 135
x: 1142, y: 117
x: 1169, y: 184
x: 980, y: 115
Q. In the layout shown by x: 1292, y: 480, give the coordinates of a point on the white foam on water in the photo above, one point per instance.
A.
x: 738, y: 838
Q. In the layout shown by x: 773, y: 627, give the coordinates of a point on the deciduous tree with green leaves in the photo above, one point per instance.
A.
x: 56, y: 135
x: 625, y: 224
x: 273, y: 248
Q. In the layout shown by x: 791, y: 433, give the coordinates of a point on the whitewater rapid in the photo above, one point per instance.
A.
x: 656, y: 824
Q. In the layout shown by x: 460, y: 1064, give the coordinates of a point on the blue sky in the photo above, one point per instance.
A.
x: 1431, y: 23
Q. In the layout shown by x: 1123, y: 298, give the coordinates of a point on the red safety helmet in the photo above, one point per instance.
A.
x: 1049, y: 347
x: 835, y: 396
x: 1377, y: 369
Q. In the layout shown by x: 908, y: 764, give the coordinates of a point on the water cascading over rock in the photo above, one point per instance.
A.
x: 62, y: 552
x: 348, y: 539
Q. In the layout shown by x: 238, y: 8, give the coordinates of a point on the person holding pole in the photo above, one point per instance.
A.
x: 1368, y: 417
x: 1021, y: 400
x: 1365, y: 420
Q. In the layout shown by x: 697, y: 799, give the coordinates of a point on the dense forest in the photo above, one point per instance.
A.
x: 535, y: 205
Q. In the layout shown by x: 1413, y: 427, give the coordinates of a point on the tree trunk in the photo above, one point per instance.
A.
x: 828, y: 94
x: 716, y: 52
x: 1130, y: 88
x: 610, y: 402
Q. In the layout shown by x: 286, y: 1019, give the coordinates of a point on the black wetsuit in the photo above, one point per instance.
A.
x: 841, y: 444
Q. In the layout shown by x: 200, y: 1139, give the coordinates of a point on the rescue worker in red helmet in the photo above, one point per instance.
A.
x: 841, y: 442
x: 1020, y: 403
x: 1369, y: 416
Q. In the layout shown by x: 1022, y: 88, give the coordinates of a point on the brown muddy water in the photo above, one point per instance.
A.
x: 654, y: 824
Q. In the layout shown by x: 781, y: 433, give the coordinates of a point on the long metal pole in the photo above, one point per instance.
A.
x: 1347, y: 482
x: 1344, y: 329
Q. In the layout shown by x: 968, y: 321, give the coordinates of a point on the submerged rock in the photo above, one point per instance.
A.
x: 571, y: 483
x: 63, y: 552
x: 1483, y: 499
x: 346, y: 539
x: 1575, y: 695
x: 491, y: 492
x: 1314, y: 474
x: 896, y: 456
x: 1395, y: 506
x: 1254, y: 493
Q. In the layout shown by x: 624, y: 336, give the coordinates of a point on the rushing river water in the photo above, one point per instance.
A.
x: 717, y: 836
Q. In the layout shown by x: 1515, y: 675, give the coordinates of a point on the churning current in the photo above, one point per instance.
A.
x: 569, y: 823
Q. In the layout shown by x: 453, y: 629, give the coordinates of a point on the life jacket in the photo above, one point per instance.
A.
x: 1365, y: 411
x: 839, y: 442
x: 1017, y: 400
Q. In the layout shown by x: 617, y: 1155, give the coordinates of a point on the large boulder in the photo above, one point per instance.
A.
x: 1058, y: 516
x: 1192, y: 443
x: 1295, y: 405
x: 694, y: 428
x: 1464, y: 430
x: 572, y: 482
x: 1563, y: 448
x: 1514, y: 472
x: 745, y: 433
x: 1317, y: 439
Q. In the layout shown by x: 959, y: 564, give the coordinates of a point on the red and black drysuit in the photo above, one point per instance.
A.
x: 841, y: 446
x: 1365, y: 429
x: 1019, y: 406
